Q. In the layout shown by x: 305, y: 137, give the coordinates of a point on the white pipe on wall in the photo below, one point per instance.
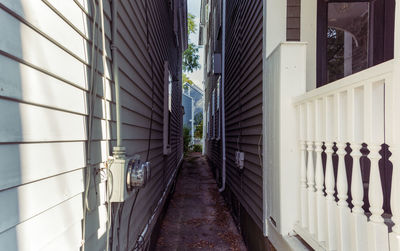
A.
x: 118, y: 150
x: 222, y: 188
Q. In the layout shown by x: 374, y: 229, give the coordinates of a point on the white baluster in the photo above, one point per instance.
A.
x: 392, y: 135
x: 303, y: 168
x: 310, y: 169
x: 355, y: 128
x: 375, y: 192
x: 395, y: 200
x: 341, y: 176
x: 341, y: 182
x: 319, y: 173
x: 374, y: 131
x: 329, y: 176
x: 357, y: 187
x: 311, y: 188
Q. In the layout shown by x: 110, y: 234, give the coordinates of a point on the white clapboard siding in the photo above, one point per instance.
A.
x: 77, y: 17
x: 36, y: 232
x: 33, y: 48
x: 37, y: 14
x: 96, y: 241
x: 32, y: 123
x: 86, y: 5
x: 45, y: 57
x: 19, y: 81
x: 43, y: 79
x: 70, y: 239
x: 22, y: 82
x: 98, y: 218
x: 26, y: 201
x: 22, y: 163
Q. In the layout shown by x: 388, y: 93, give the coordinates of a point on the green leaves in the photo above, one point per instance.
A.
x: 191, y: 24
x: 190, y: 59
x: 185, y: 79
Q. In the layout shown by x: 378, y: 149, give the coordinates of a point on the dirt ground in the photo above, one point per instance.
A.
x: 197, y: 217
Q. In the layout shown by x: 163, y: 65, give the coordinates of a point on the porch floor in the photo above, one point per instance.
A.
x: 197, y: 217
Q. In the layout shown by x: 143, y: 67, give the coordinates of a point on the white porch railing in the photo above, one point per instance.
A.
x: 359, y: 109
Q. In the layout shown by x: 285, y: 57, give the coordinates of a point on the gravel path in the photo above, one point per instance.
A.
x: 197, y: 217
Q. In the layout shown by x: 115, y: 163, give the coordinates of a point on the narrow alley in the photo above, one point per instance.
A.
x: 197, y: 216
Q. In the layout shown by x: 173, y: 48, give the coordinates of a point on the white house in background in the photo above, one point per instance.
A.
x: 192, y: 101
x: 330, y: 169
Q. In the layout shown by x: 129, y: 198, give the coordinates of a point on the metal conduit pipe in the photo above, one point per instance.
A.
x: 222, y: 188
x: 119, y: 150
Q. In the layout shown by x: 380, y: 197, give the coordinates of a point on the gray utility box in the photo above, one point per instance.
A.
x: 217, y: 63
x: 127, y: 174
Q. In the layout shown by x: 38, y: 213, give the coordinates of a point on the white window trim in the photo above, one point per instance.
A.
x: 167, y: 100
x: 218, y: 108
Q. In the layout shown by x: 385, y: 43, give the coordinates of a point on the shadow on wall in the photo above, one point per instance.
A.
x: 43, y: 131
x: 100, y: 93
x: 10, y: 133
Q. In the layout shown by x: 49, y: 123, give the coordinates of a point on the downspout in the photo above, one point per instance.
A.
x: 221, y: 189
x: 204, y: 125
x: 119, y: 150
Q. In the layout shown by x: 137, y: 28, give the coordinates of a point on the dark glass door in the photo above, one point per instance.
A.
x: 352, y: 36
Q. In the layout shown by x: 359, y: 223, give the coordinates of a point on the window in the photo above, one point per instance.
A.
x: 167, y: 110
x: 352, y: 36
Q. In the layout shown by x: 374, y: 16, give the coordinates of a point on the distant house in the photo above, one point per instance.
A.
x: 192, y: 101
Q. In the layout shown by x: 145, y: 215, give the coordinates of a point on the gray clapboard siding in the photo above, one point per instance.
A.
x: 293, y: 20
x: 45, y: 54
x: 139, y: 92
x: 243, y: 101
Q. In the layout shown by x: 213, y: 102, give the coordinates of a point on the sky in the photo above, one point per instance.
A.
x: 196, y: 76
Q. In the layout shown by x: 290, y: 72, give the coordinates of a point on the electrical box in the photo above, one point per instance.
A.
x: 127, y: 174
x: 239, y: 160
x: 217, y: 63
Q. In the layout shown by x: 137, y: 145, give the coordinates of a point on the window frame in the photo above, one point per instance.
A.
x: 167, y: 110
x: 218, y: 127
x: 381, y: 40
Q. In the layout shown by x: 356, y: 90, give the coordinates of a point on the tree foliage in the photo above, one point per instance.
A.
x: 190, y: 61
x: 191, y: 24
x: 198, y: 118
x: 186, y: 139
x: 185, y: 79
x: 198, y: 133
x: 190, y: 57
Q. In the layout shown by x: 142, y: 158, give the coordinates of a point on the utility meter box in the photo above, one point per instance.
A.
x: 239, y: 160
x: 127, y: 174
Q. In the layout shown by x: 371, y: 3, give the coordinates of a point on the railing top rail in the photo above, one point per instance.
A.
x: 345, y: 83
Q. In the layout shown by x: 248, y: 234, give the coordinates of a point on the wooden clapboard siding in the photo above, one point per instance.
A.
x: 293, y: 20
x: 45, y: 58
x: 213, y: 45
x: 243, y: 103
x: 139, y: 94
